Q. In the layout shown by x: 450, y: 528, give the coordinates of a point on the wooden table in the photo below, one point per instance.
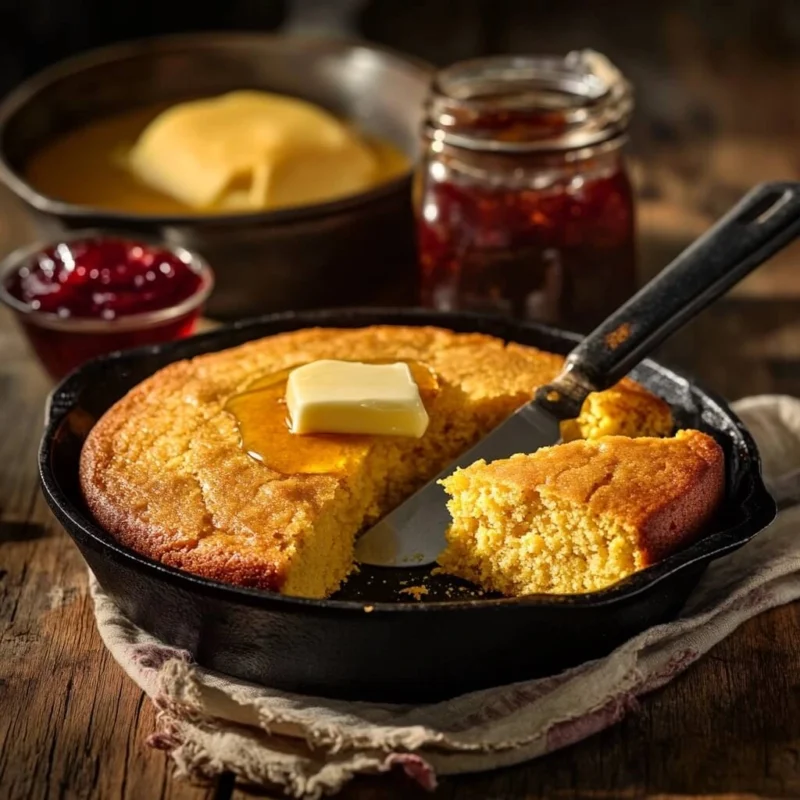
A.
x: 73, y: 725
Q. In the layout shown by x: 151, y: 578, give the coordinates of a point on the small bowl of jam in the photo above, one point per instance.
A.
x: 92, y: 293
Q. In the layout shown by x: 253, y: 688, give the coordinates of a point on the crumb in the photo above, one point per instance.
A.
x: 415, y: 591
x: 369, y: 609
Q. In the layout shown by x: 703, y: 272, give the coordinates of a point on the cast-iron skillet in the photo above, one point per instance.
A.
x: 371, y: 641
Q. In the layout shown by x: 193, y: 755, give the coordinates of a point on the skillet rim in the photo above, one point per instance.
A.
x: 754, y: 502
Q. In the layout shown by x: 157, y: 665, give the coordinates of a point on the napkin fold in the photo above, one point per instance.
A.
x: 309, y: 746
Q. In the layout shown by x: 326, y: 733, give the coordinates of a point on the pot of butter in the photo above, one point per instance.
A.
x: 358, y: 248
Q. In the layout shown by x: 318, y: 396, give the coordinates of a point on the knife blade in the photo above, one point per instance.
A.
x: 414, y: 533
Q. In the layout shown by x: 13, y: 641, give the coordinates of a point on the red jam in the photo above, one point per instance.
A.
x: 82, y: 298
x: 522, y: 199
x: 103, y: 279
x: 561, y: 255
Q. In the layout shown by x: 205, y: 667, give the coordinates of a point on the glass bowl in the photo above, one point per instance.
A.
x: 64, y: 343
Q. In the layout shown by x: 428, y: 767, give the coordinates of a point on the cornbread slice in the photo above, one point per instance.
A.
x: 165, y: 473
x: 580, y: 516
x: 622, y: 410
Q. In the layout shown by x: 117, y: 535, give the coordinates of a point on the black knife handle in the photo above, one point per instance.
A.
x: 761, y: 224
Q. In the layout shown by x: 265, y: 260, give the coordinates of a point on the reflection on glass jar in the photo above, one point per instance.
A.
x: 523, y: 203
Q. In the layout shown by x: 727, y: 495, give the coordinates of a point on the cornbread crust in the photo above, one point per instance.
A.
x: 163, y: 470
x: 582, y: 515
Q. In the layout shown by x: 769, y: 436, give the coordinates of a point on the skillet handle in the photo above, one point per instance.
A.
x: 761, y: 224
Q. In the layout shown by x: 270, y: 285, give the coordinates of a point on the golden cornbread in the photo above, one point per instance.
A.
x: 578, y: 517
x: 165, y: 473
x: 626, y: 409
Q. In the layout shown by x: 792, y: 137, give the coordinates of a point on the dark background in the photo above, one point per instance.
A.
x: 720, y: 39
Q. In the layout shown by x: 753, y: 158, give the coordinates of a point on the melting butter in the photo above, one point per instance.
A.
x: 250, y: 150
x: 90, y: 166
x: 330, y: 396
x: 262, y: 419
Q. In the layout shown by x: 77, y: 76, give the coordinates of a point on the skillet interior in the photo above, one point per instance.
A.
x: 217, y: 624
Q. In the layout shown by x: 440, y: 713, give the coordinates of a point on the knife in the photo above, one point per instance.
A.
x: 761, y: 224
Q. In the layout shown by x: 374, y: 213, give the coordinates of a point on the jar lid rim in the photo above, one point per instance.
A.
x: 552, y: 102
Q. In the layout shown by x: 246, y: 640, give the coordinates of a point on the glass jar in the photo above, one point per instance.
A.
x: 522, y: 199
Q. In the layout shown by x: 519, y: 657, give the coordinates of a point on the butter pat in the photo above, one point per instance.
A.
x: 248, y: 150
x: 350, y: 397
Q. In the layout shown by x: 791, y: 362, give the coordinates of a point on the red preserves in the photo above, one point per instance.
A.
x: 103, y: 279
x: 88, y: 296
x: 561, y: 255
x: 523, y: 203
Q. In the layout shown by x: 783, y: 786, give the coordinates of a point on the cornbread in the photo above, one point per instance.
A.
x: 164, y: 470
x: 580, y: 516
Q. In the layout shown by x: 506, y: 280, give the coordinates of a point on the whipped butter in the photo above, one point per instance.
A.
x: 331, y: 396
x: 250, y: 150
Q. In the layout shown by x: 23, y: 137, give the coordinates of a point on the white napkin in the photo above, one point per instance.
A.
x: 309, y: 746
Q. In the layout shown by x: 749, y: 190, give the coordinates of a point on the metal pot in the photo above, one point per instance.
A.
x: 356, y: 250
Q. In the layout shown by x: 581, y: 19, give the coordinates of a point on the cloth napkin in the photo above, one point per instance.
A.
x: 310, y: 746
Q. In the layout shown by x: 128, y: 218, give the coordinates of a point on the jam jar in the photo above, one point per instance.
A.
x: 522, y: 200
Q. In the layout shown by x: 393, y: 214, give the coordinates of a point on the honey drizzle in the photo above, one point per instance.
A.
x: 262, y: 420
